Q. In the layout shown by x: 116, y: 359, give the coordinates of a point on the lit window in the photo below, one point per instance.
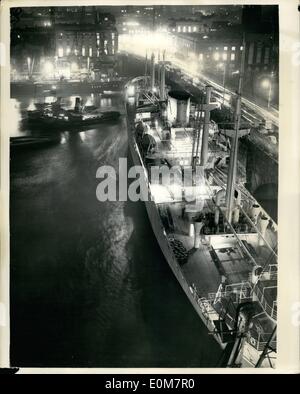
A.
x: 194, y: 28
x: 225, y: 48
x: 224, y: 56
x: 179, y: 29
x: 233, y: 48
x: 90, y: 51
x: 68, y: 51
x: 83, y: 51
x: 174, y: 29
x: 241, y: 48
x: 184, y: 29
x: 189, y: 29
x: 60, y: 52
x: 216, y: 56
x: 75, y: 52
x: 98, y: 53
x: 232, y: 56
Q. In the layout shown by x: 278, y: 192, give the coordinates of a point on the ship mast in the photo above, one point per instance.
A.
x: 231, y: 181
x: 146, y: 68
x: 152, y: 72
x: 162, y: 79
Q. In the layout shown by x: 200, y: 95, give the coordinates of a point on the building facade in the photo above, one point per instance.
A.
x: 90, y: 49
x: 58, y: 48
x: 219, y: 57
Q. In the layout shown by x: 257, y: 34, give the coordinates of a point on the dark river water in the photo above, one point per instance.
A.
x: 89, y: 284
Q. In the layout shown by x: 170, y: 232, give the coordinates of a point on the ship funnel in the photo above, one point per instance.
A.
x: 152, y: 73
x: 255, y: 210
x: 178, y: 107
x: 262, y: 226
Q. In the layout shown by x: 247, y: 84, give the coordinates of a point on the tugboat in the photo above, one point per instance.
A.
x: 54, y: 115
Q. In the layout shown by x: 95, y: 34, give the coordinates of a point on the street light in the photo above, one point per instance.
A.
x: 29, y: 66
x: 265, y: 83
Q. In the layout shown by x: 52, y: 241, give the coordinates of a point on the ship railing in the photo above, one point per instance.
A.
x: 208, y: 312
x: 259, y: 340
x: 267, y: 275
x: 245, y: 291
x: 236, y: 292
x: 271, y: 310
x: 270, y: 272
x: 154, y: 100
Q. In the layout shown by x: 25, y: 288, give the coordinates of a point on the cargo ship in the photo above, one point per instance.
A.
x: 219, y: 242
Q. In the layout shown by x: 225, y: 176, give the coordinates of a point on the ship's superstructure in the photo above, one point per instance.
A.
x: 219, y: 242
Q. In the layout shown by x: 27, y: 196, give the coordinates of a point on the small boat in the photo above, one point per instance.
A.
x: 54, y: 115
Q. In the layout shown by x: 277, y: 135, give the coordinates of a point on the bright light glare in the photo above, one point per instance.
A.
x: 149, y: 41
x: 131, y: 90
x: 265, y: 83
x: 48, y: 68
x: 193, y: 66
x: 74, y: 66
x: 132, y: 24
x: 216, y: 56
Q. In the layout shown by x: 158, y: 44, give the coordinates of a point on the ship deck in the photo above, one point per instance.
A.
x: 218, y: 254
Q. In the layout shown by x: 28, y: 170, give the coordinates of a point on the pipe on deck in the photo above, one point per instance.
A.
x: 205, y: 135
x: 220, y: 194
